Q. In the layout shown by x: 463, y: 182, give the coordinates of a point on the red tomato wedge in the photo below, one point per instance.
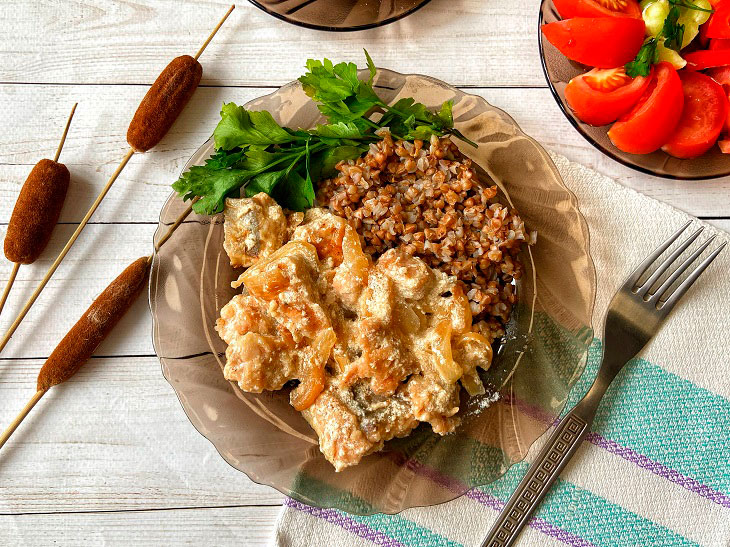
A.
x: 706, y: 58
x: 600, y: 96
x: 603, y: 42
x: 721, y: 74
x: 719, y: 43
x: 647, y: 126
x: 702, y: 37
x: 597, y: 8
x: 719, y: 24
x: 703, y: 116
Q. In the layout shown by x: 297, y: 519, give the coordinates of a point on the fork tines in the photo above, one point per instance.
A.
x: 661, y: 296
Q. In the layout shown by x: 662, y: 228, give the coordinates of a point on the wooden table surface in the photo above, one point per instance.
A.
x: 110, y: 456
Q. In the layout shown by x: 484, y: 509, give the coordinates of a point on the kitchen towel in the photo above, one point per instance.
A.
x: 655, y: 469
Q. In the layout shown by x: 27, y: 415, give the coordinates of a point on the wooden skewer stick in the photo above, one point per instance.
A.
x: 64, y: 252
x: 65, y: 132
x: 85, y: 336
x: 176, y: 224
x: 11, y: 280
x: 85, y: 220
x: 215, y: 30
x: 20, y: 417
x: 16, y: 265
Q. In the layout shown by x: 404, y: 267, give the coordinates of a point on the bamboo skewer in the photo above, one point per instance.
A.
x: 29, y: 406
x: 26, y: 308
x: 65, y: 132
x: 16, y: 265
x: 63, y: 253
x: 215, y: 31
x: 85, y: 336
x: 20, y: 417
x: 11, y: 280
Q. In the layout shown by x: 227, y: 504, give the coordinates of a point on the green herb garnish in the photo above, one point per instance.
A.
x: 255, y: 152
x: 672, y: 30
x: 647, y: 56
x: 689, y: 5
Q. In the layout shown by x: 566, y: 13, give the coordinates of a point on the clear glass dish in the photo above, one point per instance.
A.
x: 539, y: 360
x: 559, y: 70
x: 339, y: 15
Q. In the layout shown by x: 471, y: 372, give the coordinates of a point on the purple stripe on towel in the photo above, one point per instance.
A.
x: 346, y: 523
x: 630, y: 455
x: 537, y: 523
x: 659, y: 469
x: 495, y: 503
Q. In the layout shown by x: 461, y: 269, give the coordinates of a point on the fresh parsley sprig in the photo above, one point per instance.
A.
x: 647, y: 56
x: 254, y: 152
x: 689, y: 5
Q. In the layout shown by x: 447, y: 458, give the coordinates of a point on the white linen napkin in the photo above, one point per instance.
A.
x: 656, y: 468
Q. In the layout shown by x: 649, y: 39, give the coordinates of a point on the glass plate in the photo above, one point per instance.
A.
x: 339, y: 15
x: 541, y: 357
x: 559, y: 70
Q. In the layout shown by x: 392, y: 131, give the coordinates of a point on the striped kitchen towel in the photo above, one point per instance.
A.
x: 655, y: 469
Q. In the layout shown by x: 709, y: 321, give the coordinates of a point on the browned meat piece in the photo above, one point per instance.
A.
x: 253, y: 228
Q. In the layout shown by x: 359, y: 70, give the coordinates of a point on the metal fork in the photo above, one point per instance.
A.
x: 634, y: 316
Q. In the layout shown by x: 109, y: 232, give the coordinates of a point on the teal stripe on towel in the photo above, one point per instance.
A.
x: 664, y: 417
x: 401, y: 529
x: 589, y: 516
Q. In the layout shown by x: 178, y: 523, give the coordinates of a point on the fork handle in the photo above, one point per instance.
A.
x: 561, y: 446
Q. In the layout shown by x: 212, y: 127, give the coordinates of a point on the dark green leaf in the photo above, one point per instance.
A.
x: 340, y: 130
x: 239, y: 127
x: 265, y: 182
x: 294, y: 192
x: 647, y: 56
x: 371, y: 67
x: 672, y: 30
x: 211, y: 185
x: 446, y: 115
x: 689, y: 5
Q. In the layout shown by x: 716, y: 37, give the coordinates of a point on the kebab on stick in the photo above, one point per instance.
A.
x: 36, y: 211
x: 85, y: 336
x: 159, y: 109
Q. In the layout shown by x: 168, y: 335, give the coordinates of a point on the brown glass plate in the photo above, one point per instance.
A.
x: 559, y: 70
x: 539, y: 360
x: 339, y: 15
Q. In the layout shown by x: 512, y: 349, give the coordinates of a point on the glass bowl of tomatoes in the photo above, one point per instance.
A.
x: 645, y: 83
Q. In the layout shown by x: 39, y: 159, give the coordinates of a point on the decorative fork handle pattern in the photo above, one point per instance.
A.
x: 537, y: 481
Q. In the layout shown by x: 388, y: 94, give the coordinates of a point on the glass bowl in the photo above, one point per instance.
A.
x: 339, y: 15
x: 559, y: 70
x: 539, y: 359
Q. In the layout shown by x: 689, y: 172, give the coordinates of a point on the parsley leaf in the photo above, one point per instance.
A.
x: 255, y: 153
x: 689, y: 5
x: 672, y: 30
x: 647, y: 56
x: 239, y: 127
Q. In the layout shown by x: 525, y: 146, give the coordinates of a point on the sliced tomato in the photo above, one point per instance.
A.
x: 703, y: 116
x: 600, y: 96
x: 720, y: 74
x: 647, y: 126
x: 598, y: 8
x: 603, y: 42
x: 706, y: 58
x: 719, y: 43
x: 704, y: 40
x: 719, y: 24
x: 715, y: 3
x: 726, y: 89
x: 724, y: 145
